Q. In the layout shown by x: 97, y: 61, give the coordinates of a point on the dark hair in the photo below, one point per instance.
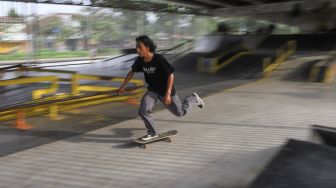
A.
x: 147, y: 42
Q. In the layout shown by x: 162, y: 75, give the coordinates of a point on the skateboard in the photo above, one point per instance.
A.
x: 162, y: 137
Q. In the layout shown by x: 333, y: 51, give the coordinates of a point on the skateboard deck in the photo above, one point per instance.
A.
x: 162, y: 137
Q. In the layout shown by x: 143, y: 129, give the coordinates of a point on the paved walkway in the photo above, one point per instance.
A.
x: 224, y: 145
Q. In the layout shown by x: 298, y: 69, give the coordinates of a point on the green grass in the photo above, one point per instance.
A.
x: 68, y: 54
x: 49, y: 54
x: 108, y: 51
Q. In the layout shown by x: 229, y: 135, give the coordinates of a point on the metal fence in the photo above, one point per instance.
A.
x: 34, y: 31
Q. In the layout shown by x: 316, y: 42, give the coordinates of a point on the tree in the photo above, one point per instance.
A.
x: 12, y: 13
x: 106, y: 25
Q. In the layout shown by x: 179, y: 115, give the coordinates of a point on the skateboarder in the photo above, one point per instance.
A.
x: 160, y: 79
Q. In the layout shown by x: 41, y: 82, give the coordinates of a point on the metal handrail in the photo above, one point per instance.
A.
x: 49, y: 102
x: 281, y: 54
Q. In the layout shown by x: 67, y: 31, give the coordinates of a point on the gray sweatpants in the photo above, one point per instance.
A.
x: 175, y: 107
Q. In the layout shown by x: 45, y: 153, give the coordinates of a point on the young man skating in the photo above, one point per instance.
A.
x: 160, y: 79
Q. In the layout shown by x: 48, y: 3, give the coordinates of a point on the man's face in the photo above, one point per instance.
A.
x: 141, y: 49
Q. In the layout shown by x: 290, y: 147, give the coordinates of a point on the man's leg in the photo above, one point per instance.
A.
x: 147, y: 103
x: 178, y: 109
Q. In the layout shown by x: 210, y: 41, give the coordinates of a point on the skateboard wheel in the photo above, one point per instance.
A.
x: 168, y: 140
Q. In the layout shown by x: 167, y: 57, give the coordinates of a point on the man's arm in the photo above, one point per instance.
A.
x: 170, y: 84
x: 167, y: 97
x: 127, y: 79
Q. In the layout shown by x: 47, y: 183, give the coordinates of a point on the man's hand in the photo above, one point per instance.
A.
x: 167, y: 99
x: 121, y: 91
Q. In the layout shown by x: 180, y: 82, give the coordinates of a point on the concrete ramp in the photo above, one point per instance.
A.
x: 300, y: 164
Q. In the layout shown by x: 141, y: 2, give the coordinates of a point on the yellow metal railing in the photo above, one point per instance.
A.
x: 315, y: 70
x: 37, y: 93
x: 77, y: 88
x: 281, y: 55
x: 217, y: 67
x: 63, y: 102
x: 324, y: 70
x: 54, y: 106
x: 213, y: 64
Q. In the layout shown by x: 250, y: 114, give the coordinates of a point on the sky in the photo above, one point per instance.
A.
x: 42, y: 9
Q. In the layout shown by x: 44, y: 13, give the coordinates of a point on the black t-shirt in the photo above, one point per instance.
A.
x: 156, y: 73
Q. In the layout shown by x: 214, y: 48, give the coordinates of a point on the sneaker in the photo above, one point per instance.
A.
x: 199, y: 101
x: 149, y: 137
